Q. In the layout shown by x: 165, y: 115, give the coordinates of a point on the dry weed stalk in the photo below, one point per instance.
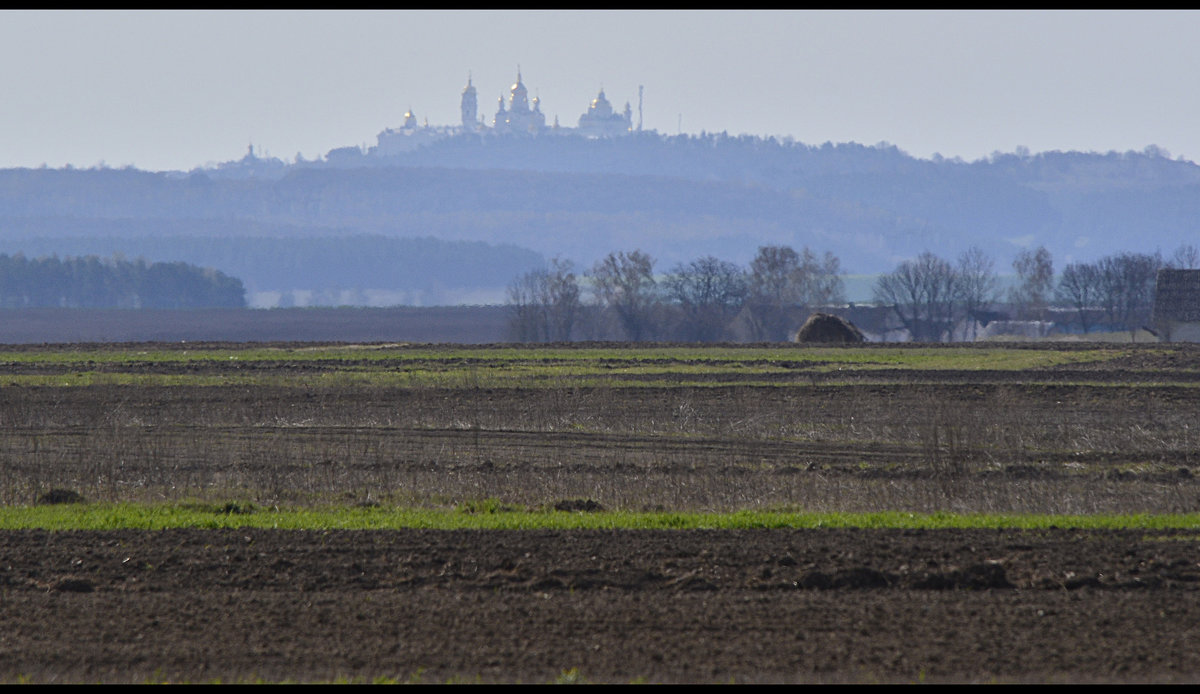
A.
x: 919, y: 447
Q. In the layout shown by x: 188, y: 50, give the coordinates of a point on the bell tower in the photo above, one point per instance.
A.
x: 470, y: 107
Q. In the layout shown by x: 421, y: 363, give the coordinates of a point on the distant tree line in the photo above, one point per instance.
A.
x: 936, y: 300
x: 93, y: 282
x: 698, y: 301
x: 931, y: 298
x: 1118, y: 290
x: 285, y: 258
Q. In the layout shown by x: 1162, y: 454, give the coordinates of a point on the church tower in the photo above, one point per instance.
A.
x: 469, y: 106
x: 519, y: 102
x: 520, y: 119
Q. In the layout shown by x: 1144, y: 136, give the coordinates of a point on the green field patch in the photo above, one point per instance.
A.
x: 458, y: 357
x: 508, y: 366
x: 487, y: 516
x: 347, y: 378
x: 109, y: 378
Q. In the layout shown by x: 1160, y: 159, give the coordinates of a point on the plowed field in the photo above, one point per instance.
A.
x: 658, y: 606
x: 1020, y: 429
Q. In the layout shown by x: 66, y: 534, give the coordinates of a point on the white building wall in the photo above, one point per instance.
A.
x: 1185, y: 332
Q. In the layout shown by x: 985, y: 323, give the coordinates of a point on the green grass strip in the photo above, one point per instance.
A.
x: 520, y: 366
x: 493, y: 517
x: 635, y: 356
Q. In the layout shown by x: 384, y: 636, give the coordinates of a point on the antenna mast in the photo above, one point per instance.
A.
x: 640, y: 108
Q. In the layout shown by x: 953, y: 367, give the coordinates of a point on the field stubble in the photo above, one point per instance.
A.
x: 947, y: 442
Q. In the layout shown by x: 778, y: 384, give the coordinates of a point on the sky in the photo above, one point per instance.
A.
x: 174, y: 90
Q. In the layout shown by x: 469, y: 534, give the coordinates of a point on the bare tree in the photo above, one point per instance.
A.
x: 525, y: 319
x: 1127, y: 288
x: 820, y: 279
x: 923, y: 293
x: 544, y: 304
x: 781, y: 278
x: 770, y: 290
x: 1080, y: 287
x: 977, y: 283
x: 1186, y: 257
x: 1035, y: 280
x: 624, y: 282
x: 708, y: 291
x: 564, y: 300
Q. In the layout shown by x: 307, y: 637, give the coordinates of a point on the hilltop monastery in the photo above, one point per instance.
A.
x: 516, y: 114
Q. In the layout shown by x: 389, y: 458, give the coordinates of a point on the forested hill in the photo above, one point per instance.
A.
x: 525, y: 200
x: 879, y: 203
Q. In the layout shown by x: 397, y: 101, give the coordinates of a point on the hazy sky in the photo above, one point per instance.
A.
x: 174, y: 90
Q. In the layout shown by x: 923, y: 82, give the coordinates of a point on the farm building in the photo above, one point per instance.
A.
x: 1177, y: 305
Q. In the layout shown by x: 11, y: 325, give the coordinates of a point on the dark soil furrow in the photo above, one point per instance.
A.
x: 660, y: 606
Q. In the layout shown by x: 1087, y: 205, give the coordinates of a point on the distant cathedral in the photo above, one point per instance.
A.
x: 515, y: 115
x: 601, y: 121
x: 519, y: 117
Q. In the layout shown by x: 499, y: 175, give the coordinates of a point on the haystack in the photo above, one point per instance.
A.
x: 828, y: 328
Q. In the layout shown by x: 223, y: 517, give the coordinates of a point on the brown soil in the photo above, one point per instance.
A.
x: 681, y: 606
x: 659, y: 606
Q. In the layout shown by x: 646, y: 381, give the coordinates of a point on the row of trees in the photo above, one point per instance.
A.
x: 696, y: 301
x: 1118, y: 290
x: 934, y: 299
x: 931, y: 296
x: 92, y: 282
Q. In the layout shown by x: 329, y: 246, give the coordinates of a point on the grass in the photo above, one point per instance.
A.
x: 507, y: 366
x: 910, y: 357
x: 485, y: 516
x: 625, y: 378
x: 567, y: 676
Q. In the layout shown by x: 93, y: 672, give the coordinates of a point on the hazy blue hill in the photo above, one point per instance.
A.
x: 875, y: 203
x: 338, y: 224
x: 379, y: 195
x: 577, y: 215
